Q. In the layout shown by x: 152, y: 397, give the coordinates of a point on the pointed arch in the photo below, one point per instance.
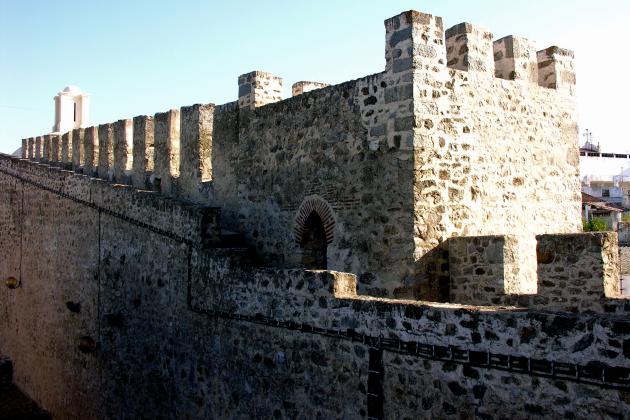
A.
x: 318, y: 205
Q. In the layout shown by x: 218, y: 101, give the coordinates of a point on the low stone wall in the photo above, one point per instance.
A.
x: 577, y: 272
x: 115, y: 318
x: 194, y: 223
x: 478, y: 269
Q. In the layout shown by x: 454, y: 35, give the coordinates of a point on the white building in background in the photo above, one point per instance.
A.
x: 605, y: 175
x: 72, y: 110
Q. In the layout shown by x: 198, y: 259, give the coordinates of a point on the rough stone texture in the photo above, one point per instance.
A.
x: 123, y: 150
x: 195, y: 164
x: 299, y: 88
x: 31, y: 148
x: 143, y: 151
x: 167, y: 148
x: 479, y: 270
x: 556, y: 69
x: 578, y: 272
x: 515, y: 59
x: 182, y: 330
x: 469, y: 48
x: 46, y: 148
x: 67, y: 147
x: 38, y: 148
x: 106, y: 151
x: 78, y: 148
x: 24, y: 149
x: 258, y: 88
x: 405, y: 159
x: 91, y: 150
x: 55, y: 149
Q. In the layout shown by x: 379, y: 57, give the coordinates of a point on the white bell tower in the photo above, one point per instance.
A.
x: 72, y: 109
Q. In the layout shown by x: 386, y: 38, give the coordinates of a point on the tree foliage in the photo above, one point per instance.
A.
x: 594, y: 225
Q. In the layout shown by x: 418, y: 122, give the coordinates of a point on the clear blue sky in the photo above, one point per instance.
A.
x: 142, y: 57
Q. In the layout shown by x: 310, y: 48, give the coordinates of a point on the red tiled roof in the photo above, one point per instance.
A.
x: 587, y: 198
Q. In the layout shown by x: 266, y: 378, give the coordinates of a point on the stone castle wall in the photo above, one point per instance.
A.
x: 125, y: 309
x: 158, y: 258
x: 438, y: 145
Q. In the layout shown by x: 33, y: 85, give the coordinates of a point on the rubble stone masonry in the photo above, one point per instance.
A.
x: 159, y: 259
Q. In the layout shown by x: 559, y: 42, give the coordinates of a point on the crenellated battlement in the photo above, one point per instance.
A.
x: 469, y: 48
x: 301, y: 87
x: 415, y: 41
x: 414, y: 229
x: 408, y: 146
x: 258, y: 88
x: 575, y: 272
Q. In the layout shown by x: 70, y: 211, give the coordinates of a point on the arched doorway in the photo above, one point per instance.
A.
x: 313, y: 243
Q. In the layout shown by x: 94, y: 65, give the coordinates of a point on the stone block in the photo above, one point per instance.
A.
x: 55, y: 149
x: 556, y: 69
x: 515, y: 59
x: 91, y: 148
x: 46, y: 149
x: 105, y: 151
x: 167, y: 150
x: 143, y: 150
x: 469, y: 48
x: 299, y: 88
x: 123, y: 150
x: 195, y: 165
x: 66, y: 149
x: 39, y: 140
x: 258, y: 88
x: 579, y: 271
x: 78, y: 148
x: 414, y: 40
x: 31, y: 148
x: 477, y: 267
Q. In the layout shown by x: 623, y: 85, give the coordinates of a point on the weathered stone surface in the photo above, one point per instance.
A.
x: 425, y: 164
x: 556, y: 69
x: 91, y: 151
x: 66, y: 150
x: 46, y: 148
x: 515, y: 59
x: 146, y: 320
x: 78, y: 148
x: 123, y: 150
x: 167, y: 150
x: 38, y: 148
x: 55, y: 149
x: 105, y: 168
x: 432, y: 181
x: 299, y: 88
x: 469, y: 48
x: 143, y: 150
x: 196, y: 159
x: 31, y: 148
x: 258, y: 88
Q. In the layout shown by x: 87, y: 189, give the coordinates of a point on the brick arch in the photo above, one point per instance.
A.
x: 323, y: 210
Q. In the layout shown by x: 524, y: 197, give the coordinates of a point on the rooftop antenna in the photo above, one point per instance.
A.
x: 588, y: 143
